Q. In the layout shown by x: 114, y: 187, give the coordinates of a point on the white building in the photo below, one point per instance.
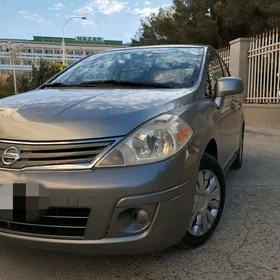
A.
x: 29, y: 52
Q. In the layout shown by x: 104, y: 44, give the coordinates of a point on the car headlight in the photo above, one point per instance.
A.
x: 154, y: 141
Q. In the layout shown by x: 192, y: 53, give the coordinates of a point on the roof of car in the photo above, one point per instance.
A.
x: 169, y: 46
x: 159, y: 46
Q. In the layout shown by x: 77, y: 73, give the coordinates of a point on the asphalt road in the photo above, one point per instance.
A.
x: 246, y: 244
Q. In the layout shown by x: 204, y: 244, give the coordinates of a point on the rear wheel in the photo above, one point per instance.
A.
x: 208, y: 203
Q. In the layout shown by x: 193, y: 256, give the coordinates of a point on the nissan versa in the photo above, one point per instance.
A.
x: 123, y: 152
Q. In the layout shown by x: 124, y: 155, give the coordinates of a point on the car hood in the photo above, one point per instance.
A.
x: 74, y: 114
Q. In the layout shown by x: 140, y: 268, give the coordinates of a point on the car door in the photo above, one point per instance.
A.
x: 227, y: 112
x: 236, y: 105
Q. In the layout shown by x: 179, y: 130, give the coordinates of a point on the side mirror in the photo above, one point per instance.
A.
x: 229, y: 86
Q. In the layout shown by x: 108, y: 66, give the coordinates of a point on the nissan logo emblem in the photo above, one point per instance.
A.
x: 11, y: 155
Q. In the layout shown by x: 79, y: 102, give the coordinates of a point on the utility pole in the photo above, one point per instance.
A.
x: 63, y: 39
x: 12, y: 51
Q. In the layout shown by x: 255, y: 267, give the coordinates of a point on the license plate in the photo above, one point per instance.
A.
x: 22, y: 201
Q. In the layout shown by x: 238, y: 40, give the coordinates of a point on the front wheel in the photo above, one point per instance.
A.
x: 208, y: 203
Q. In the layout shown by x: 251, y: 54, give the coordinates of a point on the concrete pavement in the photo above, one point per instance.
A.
x: 245, y: 246
x: 262, y: 131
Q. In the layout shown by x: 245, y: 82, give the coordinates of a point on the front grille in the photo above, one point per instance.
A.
x: 69, y: 223
x: 54, y: 154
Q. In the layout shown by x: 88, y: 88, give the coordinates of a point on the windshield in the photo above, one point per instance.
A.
x: 179, y: 67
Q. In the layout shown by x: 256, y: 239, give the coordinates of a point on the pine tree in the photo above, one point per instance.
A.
x: 209, y: 22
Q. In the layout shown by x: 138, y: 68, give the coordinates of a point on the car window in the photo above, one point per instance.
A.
x: 225, y: 69
x: 215, y: 72
x: 179, y: 67
x: 208, y: 90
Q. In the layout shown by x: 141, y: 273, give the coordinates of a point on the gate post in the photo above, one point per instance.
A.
x: 239, y: 63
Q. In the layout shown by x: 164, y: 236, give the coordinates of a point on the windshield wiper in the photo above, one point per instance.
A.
x: 56, y: 85
x: 125, y: 83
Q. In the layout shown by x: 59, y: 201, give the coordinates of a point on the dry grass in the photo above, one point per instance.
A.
x: 3, y: 80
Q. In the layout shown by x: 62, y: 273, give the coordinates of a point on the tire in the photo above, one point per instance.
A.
x: 192, y: 239
x: 237, y: 164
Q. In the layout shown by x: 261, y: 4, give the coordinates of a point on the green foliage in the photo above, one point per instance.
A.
x: 26, y: 82
x: 44, y: 72
x: 274, y: 15
x: 214, y: 22
x: 157, y: 29
x: 4, y: 93
x: 23, y: 83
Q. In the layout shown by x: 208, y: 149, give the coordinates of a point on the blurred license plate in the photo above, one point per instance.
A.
x: 22, y: 201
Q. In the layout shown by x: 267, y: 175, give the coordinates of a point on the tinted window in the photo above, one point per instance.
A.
x: 177, y: 66
x: 208, y: 90
x: 215, y: 72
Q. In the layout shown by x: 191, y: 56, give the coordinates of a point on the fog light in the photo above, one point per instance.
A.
x: 141, y: 216
x: 131, y: 221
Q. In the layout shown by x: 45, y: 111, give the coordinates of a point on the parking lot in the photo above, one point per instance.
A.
x: 246, y: 244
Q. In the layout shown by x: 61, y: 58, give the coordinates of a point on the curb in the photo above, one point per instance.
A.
x: 262, y: 131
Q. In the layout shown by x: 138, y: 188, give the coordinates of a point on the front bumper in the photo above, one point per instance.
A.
x: 164, y: 189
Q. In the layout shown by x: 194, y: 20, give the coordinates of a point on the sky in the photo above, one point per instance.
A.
x: 110, y: 19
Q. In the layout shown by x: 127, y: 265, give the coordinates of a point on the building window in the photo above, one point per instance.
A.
x: 27, y: 62
x: 6, y: 61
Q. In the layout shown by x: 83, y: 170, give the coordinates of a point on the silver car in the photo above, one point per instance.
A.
x: 123, y: 152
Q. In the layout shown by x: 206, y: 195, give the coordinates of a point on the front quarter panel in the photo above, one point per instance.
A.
x: 203, y: 116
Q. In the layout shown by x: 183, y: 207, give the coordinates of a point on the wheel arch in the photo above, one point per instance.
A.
x: 212, y: 149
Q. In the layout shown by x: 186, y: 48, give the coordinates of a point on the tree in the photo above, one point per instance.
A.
x: 23, y: 83
x: 195, y: 22
x: 273, y: 11
x: 26, y: 82
x: 157, y: 29
x: 214, y: 22
x: 239, y: 18
x: 39, y: 73
x: 44, y: 72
